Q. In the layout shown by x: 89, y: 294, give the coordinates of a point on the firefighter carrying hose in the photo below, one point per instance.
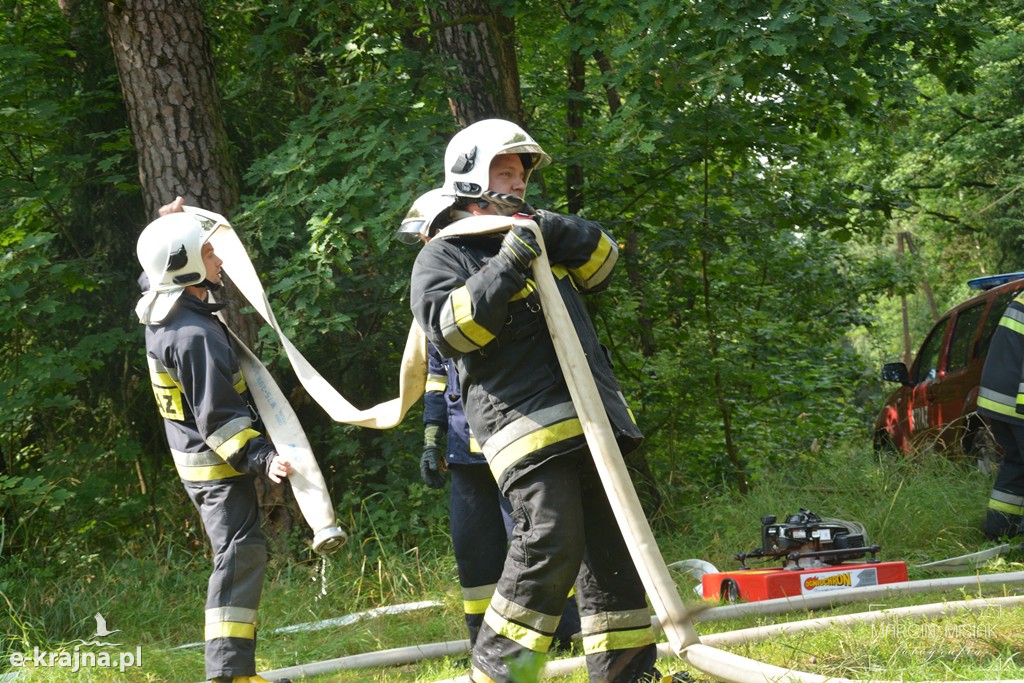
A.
x: 213, y: 432
x: 475, y: 300
x: 478, y: 514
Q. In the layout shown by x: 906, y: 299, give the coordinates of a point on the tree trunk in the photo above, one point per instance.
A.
x: 165, y: 66
x: 480, y: 41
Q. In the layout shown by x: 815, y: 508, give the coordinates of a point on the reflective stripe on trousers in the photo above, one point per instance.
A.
x: 565, y: 531
x: 230, y: 513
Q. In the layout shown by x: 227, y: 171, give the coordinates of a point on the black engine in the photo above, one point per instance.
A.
x: 806, y: 541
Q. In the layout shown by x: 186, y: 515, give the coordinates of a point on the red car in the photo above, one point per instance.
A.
x: 936, y: 403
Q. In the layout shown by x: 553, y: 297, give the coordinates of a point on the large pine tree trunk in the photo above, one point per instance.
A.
x: 166, y: 70
x: 480, y: 41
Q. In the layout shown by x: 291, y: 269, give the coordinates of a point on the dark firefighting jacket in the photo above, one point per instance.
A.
x: 485, y: 314
x: 212, y: 430
x: 1001, y: 395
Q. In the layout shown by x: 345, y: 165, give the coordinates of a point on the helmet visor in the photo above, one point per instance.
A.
x: 411, y: 231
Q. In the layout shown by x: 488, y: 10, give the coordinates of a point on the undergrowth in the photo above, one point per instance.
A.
x: 153, y: 593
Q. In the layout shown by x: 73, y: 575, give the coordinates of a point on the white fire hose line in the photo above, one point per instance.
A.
x: 563, y: 667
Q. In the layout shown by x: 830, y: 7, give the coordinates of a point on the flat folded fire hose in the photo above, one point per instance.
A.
x: 675, y: 618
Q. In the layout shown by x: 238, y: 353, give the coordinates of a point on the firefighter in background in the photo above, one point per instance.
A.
x: 1001, y: 400
x: 478, y: 517
x: 474, y: 299
x: 213, y: 432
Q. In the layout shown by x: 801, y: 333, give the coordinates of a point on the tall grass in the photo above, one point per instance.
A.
x: 916, y: 510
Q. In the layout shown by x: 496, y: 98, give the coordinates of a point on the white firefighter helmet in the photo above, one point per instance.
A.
x: 426, y: 215
x: 170, y: 250
x: 467, y: 160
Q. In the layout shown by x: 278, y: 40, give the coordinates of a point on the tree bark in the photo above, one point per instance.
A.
x: 166, y: 70
x: 480, y: 42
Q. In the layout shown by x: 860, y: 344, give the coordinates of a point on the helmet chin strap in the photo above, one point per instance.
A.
x: 210, y: 286
x: 507, y: 204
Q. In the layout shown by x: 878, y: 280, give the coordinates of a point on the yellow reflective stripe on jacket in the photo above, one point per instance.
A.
x: 998, y: 403
x: 616, y: 631
x: 166, y: 390
x: 239, y: 383
x: 204, y: 466
x: 459, y: 329
x: 530, y: 433
x: 599, y: 266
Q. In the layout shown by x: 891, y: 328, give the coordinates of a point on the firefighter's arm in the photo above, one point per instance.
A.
x: 461, y: 312
x: 223, y: 417
x: 582, y: 246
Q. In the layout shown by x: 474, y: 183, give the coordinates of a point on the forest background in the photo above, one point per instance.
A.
x: 759, y: 162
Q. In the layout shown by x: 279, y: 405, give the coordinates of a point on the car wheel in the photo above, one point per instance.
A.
x: 981, y: 447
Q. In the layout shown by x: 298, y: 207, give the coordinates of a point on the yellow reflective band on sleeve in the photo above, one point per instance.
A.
x: 617, y: 640
x: 240, y: 385
x: 462, y: 312
x: 528, y: 638
x: 436, y: 383
x: 230, y: 629
x: 601, y: 262
x: 1012, y: 324
x: 236, y: 442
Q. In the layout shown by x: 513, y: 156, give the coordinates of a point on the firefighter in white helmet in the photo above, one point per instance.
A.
x: 478, y: 516
x: 474, y: 297
x: 212, y: 429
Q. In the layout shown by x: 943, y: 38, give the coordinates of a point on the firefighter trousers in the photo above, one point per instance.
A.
x: 230, y: 513
x: 480, y: 529
x: 1005, y: 514
x: 566, y: 531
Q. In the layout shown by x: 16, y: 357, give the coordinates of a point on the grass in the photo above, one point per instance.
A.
x: 917, y: 510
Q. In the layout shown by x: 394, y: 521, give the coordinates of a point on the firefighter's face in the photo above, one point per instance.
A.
x: 212, y: 263
x: 507, y: 175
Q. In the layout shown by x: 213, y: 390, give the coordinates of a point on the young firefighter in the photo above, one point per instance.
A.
x: 478, y: 519
x: 474, y: 298
x: 213, y: 432
x: 1001, y: 400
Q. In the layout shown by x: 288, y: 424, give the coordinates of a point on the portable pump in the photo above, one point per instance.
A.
x: 806, y: 540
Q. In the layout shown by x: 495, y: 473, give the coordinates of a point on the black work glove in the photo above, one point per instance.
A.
x: 519, y: 248
x: 431, y: 467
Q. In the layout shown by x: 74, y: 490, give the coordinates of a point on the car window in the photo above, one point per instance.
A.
x: 963, y: 334
x: 992, y: 321
x: 926, y: 366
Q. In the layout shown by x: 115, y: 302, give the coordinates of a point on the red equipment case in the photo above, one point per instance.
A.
x: 763, y: 584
